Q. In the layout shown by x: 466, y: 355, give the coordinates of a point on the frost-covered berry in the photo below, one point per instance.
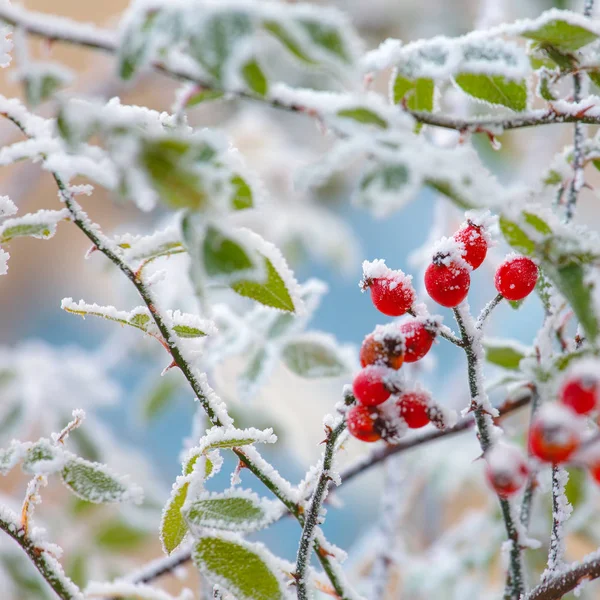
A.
x: 382, y: 349
x: 362, y: 422
x: 580, y: 393
x: 555, y: 434
x: 413, y: 407
x: 447, y: 285
x: 505, y: 469
x: 369, y: 386
x: 391, y: 291
x: 418, y: 338
x: 516, y: 277
x: 475, y: 244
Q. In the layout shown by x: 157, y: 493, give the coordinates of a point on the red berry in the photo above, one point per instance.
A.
x: 580, y: 394
x: 505, y: 469
x: 414, y: 408
x: 392, y: 295
x: 369, y: 387
x: 382, y: 350
x: 475, y: 244
x: 554, y: 435
x: 418, y: 339
x: 594, y: 469
x: 362, y: 423
x: 449, y: 284
x: 516, y: 277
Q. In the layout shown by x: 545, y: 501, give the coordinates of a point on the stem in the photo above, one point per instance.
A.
x: 561, y: 511
x: 488, y: 308
x: 526, y: 503
x: 313, y: 515
x: 444, y: 331
x: 471, y: 337
x: 65, y: 30
x: 47, y: 565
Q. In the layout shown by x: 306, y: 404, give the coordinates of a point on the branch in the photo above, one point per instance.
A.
x: 471, y: 337
x: 565, y: 581
x: 46, y: 564
x: 487, y: 310
x: 561, y: 511
x: 66, y: 30
x: 313, y: 515
x: 526, y: 503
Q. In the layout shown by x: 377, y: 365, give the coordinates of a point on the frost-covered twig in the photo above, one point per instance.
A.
x: 313, y: 515
x: 561, y: 511
x: 44, y: 562
x: 471, y: 337
x: 487, y: 310
x: 566, y: 580
x: 526, y: 502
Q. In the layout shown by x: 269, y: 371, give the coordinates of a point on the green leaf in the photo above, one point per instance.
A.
x: 77, y: 569
x: 170, y: 166
x: 418, y: 93
x: 237, y: 510
x: 272, y: 292
x: 503, y: 354
x: 552, y: 178
x: 516, y: 237
x: 494, y: 89
x: 238, y: 566
x: 255, y: 78
x: 242, y: 194
x: 41, y: 86
x: 37, y: 230
x: 328, y: 38
x: 43, y: 457
x: 564, y: 360
x: 390, y: 177
x: 173, y: 526
x: 224, y: 255
x: 279, y: 31
x: 569, y: 279
x: 254, y: 367
x: 562, y: 35
x: 311, y: 358
x: 214, y: 43
x: 160, y: 396
x: 545, y: 90
x: 95, y: 483
x: 537, y: 223
x: 119, y: 536
x: 204, y: 95
x: 185, y: 331
x: 363, y: 115
x: 595, y: 77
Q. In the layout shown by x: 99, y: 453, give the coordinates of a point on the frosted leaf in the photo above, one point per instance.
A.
x: 315, y: 355
x: 146, y: 248
x: 246, y: 570
x: 42, y: 79
x: 96, y: 483
x: 44, y: 458
x: 233, y: 510
x: 7, y: 207
x: 173, y: 527
x: 41, y: 225
x: 505, y: 353
x: 10, y: 456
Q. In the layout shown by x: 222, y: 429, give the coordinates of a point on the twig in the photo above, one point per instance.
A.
x: 471, y: 337
x: 313, y: 514
x: 46, y: 564
x: 72, y: 32
x: 526, y: 502
x: 487, y: 310
x: 561, y: 511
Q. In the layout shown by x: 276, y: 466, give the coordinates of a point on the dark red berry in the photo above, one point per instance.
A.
x: 414, y: 408
x: 474, y: 243
x: 362, y: 423
x: 382, y: 350
x: 369, y: 387
x: 580, y: 394
x: 392, y: 296
x: 506, y: 469
x: 554, y: 435
x: 417, y: 340
x: 516, y: 277
x: 447, y: 285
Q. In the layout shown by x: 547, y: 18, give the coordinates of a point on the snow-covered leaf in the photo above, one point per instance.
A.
x: 363, y: 115
x: 173, y: 526
x: 96, y: 483
x: 136, y: 43
x: 43, y: 457
x: 225, y: 254
x: 516, y: 237
x: 575, y: 489
x: 504, y: 353
x: 561, y: 34
x: 10, y: 456
x: 313, y: 355
x: 234, y: 510
x: 245, y: 570
x: 417, y: 94
x: 41, y: 80
x: 243, y: 196
x: 41, y: 225
x: 494, y: 89
x: 203, y: 95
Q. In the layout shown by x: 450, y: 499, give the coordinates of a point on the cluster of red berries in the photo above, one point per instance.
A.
x: 448, y: 277
x: 383, y: 353
x: 555, y: 437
